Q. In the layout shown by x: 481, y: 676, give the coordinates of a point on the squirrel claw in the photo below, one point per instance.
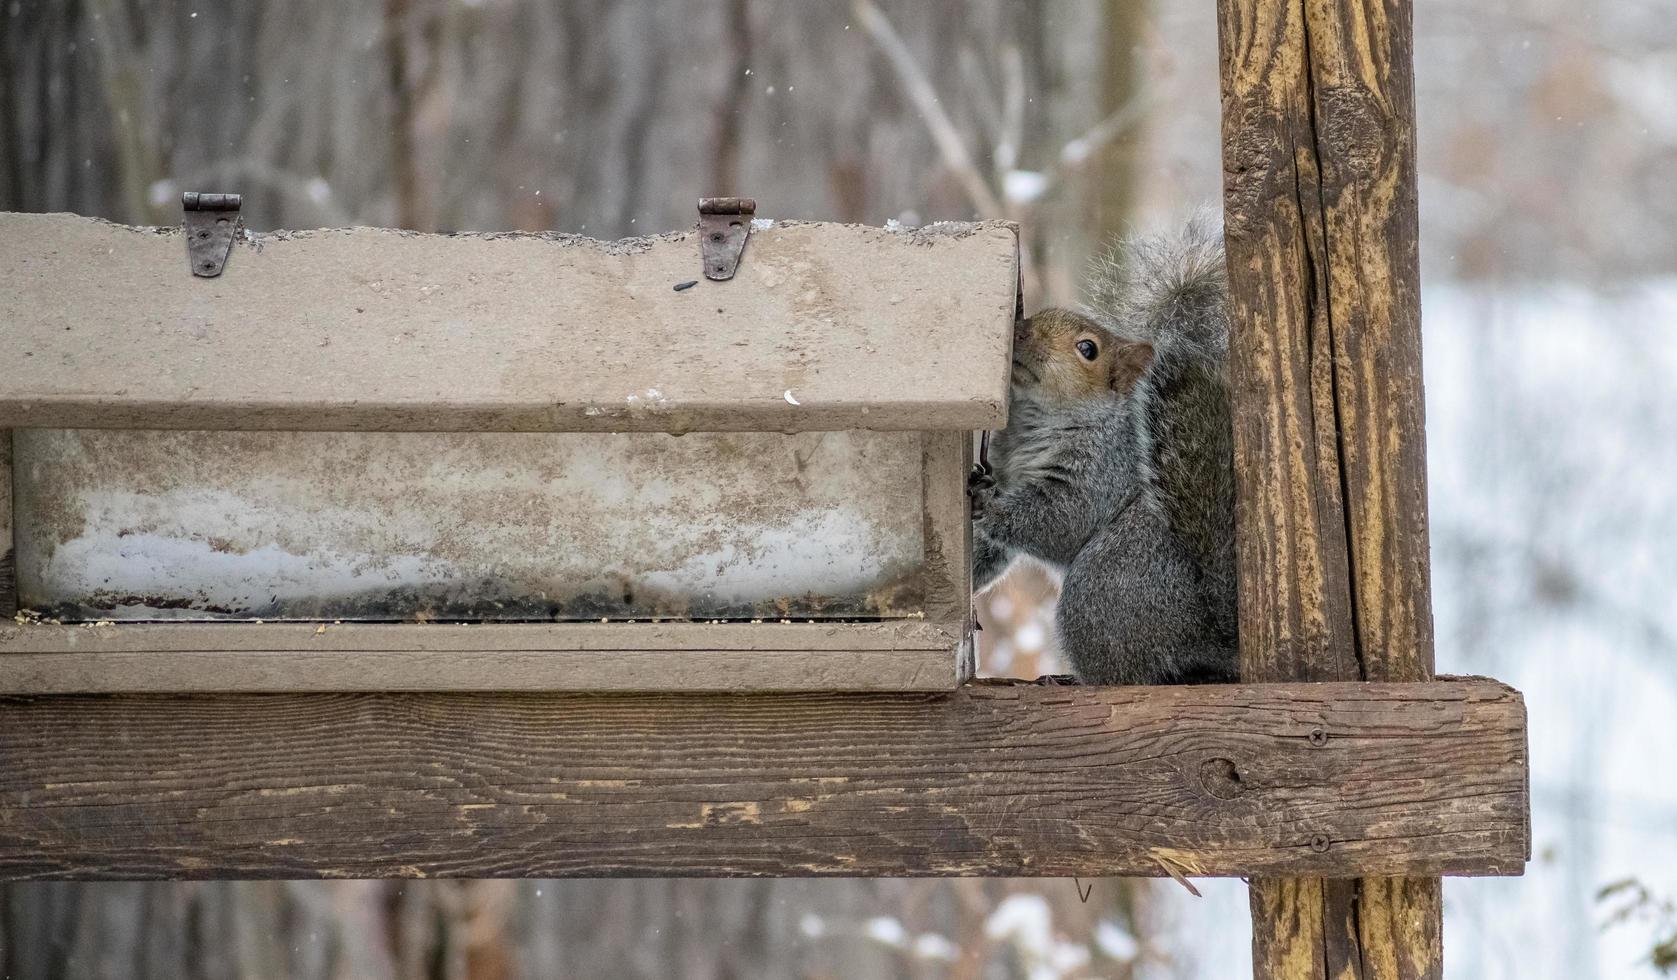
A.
x: 981, y: 487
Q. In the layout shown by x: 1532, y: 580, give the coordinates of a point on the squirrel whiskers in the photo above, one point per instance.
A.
x: 1116, y: 467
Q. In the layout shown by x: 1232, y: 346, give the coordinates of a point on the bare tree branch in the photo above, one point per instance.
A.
x: 950, y: 146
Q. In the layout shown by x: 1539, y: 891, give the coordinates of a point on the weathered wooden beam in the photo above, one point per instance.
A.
x: 825, y: 327
x: 1321, y: 225
x: 995, y: 778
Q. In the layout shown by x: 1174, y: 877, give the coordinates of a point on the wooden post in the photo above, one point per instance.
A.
x: 1321, y: 225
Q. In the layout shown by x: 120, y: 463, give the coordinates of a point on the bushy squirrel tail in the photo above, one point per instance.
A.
x: 1166, y: 289
x: 1171, y: 290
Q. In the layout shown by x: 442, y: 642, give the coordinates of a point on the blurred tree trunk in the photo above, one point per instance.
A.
x: 134, y: 126
x: 724, y: 178
x: 404, y: 174
x: 1115, y: 184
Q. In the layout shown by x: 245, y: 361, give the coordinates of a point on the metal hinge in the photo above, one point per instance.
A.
x: 211, y: 222
x: 724, y: 225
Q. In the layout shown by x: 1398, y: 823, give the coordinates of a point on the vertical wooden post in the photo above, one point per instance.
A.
x: 1321, y: 226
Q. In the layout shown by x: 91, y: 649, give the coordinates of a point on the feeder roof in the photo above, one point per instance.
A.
x: 825, y: 327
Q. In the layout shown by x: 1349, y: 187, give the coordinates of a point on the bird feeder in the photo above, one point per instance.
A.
x: 732, y: 458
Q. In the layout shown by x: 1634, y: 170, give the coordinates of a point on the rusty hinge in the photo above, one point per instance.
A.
x: 211, y: 222
x: 724, y: 225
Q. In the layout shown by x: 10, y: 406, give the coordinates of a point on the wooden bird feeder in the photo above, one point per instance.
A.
x: 372, y: 460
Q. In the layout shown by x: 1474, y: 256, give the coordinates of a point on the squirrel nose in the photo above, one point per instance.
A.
x: 1021, y: 329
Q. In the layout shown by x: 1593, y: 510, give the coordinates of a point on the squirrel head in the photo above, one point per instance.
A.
x: 1064, y: 357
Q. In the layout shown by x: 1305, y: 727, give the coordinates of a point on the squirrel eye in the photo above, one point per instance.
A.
x: 1088, y: 349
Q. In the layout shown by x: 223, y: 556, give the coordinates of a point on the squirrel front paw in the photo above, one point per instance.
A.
x: 981, y: 489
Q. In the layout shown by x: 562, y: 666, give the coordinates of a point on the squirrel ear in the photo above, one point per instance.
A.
x: 1129, y: 363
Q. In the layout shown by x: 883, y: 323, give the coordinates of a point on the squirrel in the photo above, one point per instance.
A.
x: 1116, y: 468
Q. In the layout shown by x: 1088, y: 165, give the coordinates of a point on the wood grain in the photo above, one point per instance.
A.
x: 366, y: 329
x: 1295, y: 595
x: 281, y: 657
x: 996, y: 778
x: 1321, y: 226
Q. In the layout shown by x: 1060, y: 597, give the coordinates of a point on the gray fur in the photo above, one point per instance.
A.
x: 1132, y: 497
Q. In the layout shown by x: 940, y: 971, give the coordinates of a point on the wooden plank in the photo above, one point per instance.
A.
x: 150, y: 525
x: 362, y: 637
x: 8, y: 553
x: 826, y: 327
x: 1321, y: 225
x: 49, y: 659
x: 261, y: 671
x: 995, y: 778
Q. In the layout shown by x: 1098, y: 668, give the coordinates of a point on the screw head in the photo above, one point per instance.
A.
x: 1318, y: 736
x: 1319, y: 843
